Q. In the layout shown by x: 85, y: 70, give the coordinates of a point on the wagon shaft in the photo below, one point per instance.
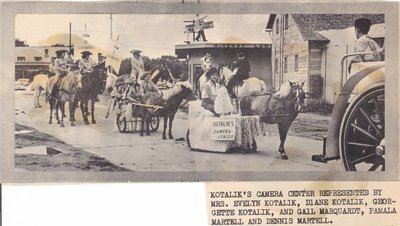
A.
x: 156, y: 107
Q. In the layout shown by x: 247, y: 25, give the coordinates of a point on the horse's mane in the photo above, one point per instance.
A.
x: 284, y: 91
x: 226, y: 72
x: 176, y: 89
x: 155, y: 74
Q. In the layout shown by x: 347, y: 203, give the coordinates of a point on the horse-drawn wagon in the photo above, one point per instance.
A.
x: 129, y: 112
x: 128, y: 121
x: 356, y: 132
x: 221, y: 134
x: 144, y: 113
x: 252, y: 117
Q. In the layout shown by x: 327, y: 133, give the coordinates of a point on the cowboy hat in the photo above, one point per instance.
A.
x: 144, y: 75
x: 136, y: 51
x: 61, y: 51
x: 85, y: 53
x: 240, y: 55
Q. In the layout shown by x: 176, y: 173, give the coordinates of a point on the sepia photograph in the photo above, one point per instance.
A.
x: 237, y: 113
x: 150, y: 94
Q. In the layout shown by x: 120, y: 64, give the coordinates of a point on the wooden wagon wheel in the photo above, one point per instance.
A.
x: 188, y: 139
x: 121, y: 123
x: 362, y: 132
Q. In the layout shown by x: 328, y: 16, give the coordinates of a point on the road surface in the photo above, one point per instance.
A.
x: 152, y: 154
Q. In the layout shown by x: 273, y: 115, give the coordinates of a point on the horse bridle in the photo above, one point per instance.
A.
x: 187, y: 101
x: 292, y: 102
x: 297, y: 97
x: 75, y: 83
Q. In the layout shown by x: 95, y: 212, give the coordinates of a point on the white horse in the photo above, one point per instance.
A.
x: 38, y: 85
x: 251, y: 86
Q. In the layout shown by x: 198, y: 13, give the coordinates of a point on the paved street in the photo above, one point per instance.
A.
x: 151, y: 154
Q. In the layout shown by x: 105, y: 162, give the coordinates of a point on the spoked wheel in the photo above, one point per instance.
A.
x: 187, y: 138
x: 121, y: 123
x: 154, y: 123
x: 362, y: 133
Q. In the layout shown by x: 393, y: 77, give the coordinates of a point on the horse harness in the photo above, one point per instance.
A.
x: 292, y: 101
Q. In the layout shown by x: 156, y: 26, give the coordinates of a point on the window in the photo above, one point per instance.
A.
x: 38, y: 59
x: 277, y: 26
x: 285, y: 65
x: 286, y: 21
x: 20, y: 58
x: 276, y: 65
x: 296, y: 63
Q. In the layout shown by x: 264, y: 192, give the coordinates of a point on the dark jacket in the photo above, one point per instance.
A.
x: 243, y: 69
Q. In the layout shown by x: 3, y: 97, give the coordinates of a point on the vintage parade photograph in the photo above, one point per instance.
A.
x: 199, y: 92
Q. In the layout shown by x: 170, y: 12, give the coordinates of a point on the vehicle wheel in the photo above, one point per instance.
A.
x: 121, y: 123
x: 154, y: 123
x: 187, y: 139
x: 362, y: 132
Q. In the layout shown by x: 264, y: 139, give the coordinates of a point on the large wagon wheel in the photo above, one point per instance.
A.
x: 121, y: 123
x: 362, y: 132
x: 188, y: 139
x: 154, y: 123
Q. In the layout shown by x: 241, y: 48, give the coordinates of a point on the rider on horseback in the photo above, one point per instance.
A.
x: 137, y: 64
x: 240, y: 72
x: 60, y: 68
x: 87, y: 65
x: 206, y: 61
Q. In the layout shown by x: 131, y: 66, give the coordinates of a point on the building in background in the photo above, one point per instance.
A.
x: 310, y: 48
x: 258, y: 55
x: 29, y: 60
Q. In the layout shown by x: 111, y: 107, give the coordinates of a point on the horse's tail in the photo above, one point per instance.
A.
x: 263, y: 86
x: 29, y: 87
x: 47, y: 98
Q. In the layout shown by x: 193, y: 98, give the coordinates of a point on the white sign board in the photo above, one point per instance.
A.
x: 114, y: 58
x: 195, y: 28
x: 223, y: 129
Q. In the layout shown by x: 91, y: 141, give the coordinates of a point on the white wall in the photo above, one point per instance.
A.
x: 341, y: 43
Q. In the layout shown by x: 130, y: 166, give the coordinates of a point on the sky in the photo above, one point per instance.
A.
x: 154, y: 34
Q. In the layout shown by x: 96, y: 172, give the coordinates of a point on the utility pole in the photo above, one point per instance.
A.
x: 70, y: 46
x: 111, y: 25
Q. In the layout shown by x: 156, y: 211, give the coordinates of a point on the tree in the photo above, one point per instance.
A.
x: 178, y: 69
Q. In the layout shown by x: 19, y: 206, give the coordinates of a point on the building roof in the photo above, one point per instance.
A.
x: 222, y: 45
x: 182, y: 49
x: 310, y: 24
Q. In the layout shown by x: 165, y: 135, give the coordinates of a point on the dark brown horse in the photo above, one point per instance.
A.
x: 280, y: 108
x: 92, y: 85
x: 170, y: 102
